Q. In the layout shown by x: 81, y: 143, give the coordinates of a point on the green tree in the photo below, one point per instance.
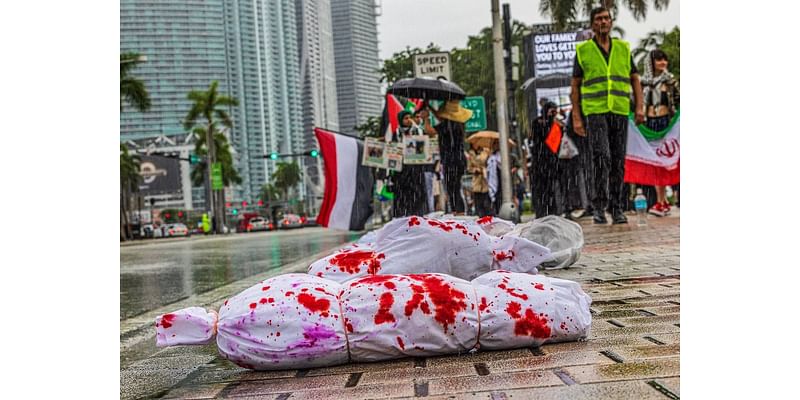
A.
x: 669, y: 43
x: 564, y: 12
x: 268, y: 193
x: 224, y: 157
x: 208, y: 108
x: 370, y: 128
x: 129, y: 183
x: 286, y: 176
x: 131, y: 89
x: 401, y: 64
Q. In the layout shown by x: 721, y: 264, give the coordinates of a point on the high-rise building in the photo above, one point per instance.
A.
x: 318, y: 80
x: 355, y: 42
x: 250, y: 47
x: 264, y: 76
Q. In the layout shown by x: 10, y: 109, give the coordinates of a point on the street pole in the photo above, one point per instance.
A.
x: 211, y: 157
x: 507, y: 209
x: 514, y: 130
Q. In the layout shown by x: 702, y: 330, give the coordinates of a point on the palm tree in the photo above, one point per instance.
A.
x: 131, y: 89
x: 129, y: 182
x: 268, y: 193
x: 208, y: 108
x: 286, y: 176
x: 564, y: 12
x: 224, y: 157
x: 669, y: 42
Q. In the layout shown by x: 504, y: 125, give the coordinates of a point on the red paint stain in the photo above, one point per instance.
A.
x: 372, y: 280
x: 278, y: 334
x: 226, y: 302
x: 350, y: 261
x: 501, y: 255
x: 263, y: 301
x: 348, y: 325
x: 321, y: 290
x: 390, y: 285
x: 384, y: 314
x: 289, y: 294
x: 310, y: 302
x: 530, y: 324
x: 319, y: 274
x: 400, y: 342
x: 564, y: 326
x: 413, y: 221
x: 437, y: 224
x: 253, y: 306
x: 265, y: 288
x: 539, y: 286
x: 510, y: 291
x: 484, y: 306
x: 447, y: 300
x: 166, y: 320
x: 485, y: 220
x: 271, y: 300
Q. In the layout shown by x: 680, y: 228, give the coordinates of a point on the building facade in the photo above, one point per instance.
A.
x: 250, y: 47
x: 355, y: 42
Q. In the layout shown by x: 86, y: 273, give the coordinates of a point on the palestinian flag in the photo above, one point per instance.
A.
x: 347, y: 200
x: 654, y: 158
x: 389, y: 121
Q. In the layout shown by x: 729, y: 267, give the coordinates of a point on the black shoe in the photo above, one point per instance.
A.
x: 618, y: 217
x: 599, y: 217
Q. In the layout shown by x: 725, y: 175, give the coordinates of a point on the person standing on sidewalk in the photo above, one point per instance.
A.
x: 451, y: 151
x: 603, y: 76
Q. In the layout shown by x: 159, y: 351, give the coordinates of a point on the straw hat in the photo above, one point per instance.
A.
x: 453, y: 111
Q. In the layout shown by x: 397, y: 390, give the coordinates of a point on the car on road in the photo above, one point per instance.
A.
x: 310, y: 221
x: 258, y: 224
x: 290, y: 221
x: 175, y: 230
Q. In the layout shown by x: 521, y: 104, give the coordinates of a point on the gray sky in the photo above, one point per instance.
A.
x: 416, y: 23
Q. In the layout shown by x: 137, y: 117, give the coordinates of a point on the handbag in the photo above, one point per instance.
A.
x: 567, y: 149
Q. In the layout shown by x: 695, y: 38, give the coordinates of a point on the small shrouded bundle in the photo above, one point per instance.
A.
x: 424, y: 245
x: 389, y: 316
x: 303, y: 321
x: 522, y: 310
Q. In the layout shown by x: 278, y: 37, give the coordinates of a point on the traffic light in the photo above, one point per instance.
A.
x: 244, y: 204
x: 228, y: 205
x: 166, y: 216
x: 234, y: 211
x: 314, y: 153
x: 180, y: 214
x: 273, y: 156
x: 260, y: 203
x: 194, y: 159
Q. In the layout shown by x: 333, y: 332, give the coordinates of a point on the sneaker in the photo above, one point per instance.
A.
x: 657, y: 210
x: 599, y: 217
x: 618, y: 217
x: 666, y: 207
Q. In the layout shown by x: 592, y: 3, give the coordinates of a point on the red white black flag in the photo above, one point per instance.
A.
x: 347, y: 201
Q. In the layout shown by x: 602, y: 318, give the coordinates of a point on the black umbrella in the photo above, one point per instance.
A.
x: 427, y: 89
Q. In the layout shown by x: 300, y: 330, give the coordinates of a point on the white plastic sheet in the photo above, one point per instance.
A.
x: 302, y: 321
x: 564, y: 239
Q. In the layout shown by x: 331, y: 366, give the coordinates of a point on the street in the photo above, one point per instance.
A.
x: 160, y: 273
x: 632, y: 274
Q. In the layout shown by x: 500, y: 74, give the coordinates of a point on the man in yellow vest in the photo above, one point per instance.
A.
x: 603, y: 77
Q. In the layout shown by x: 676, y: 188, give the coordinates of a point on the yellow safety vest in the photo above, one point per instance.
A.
x: 606, y: 87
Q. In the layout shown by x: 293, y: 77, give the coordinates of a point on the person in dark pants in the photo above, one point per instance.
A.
x: 451, y: 151
x: 544, y: 171
x: 603, y: 77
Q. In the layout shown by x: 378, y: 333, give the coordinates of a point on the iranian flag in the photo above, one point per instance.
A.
x: 654, y: 158
x: 347, y: 200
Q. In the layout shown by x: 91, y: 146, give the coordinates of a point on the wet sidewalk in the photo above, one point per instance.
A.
x: 632, y: 274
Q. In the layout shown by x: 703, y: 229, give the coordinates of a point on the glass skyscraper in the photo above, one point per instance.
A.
x: 250, y: 47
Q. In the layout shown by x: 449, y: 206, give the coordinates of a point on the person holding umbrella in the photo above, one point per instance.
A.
x: 451, y: 144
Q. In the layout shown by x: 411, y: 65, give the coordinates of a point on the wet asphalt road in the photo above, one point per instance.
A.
x: 156, y: 274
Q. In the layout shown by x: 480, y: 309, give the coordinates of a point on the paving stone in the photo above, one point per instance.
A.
x: 418, y: 374
x: 657, y: 368
x: 196, y: 392
x: 480, y: 356
x: 671, y: 384
x: 611, y: 390
x: 379, y: 391
x: 547, y: 361
x: 595, y: 344
x: 270, y: 386
x: 640, y: 330
x: 493, y: 382
x: 636, y: 353
x: 667, y: 338
x: 404, y: 363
